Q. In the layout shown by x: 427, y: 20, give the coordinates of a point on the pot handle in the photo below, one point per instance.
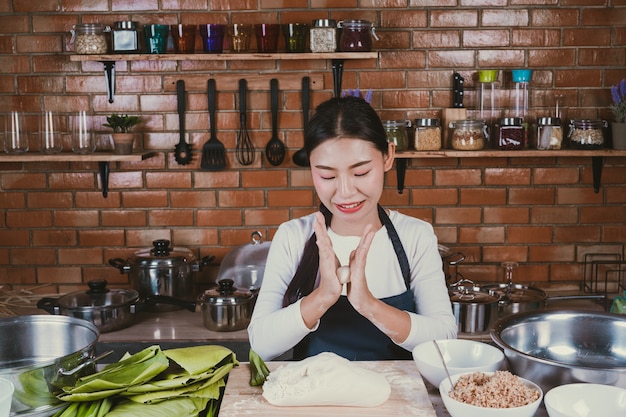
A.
x: 203, y: 262
x: 49, y: 304
x: 89, y: 361
x: 120, y: 264
x: 165, y: 299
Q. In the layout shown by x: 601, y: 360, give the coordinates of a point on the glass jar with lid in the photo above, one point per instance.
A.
x: 125, y: 37
x: 356, y: 35
x: 427, y: 135
x: 509, y: 133
x: 323, y: 35
x: 90, y: 39
x: 586, y: 134
x: 549, y: 133
x: 468, y: 135
x: 397, y: 133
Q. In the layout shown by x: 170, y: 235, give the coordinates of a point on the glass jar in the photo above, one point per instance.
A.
x: 356, y: 35
x: 125, y: 37
x: 549, y: 133
x: 586, y: 134
x: 323, y: 35
x: 397, y: 133
x: 90, y: 39
x: 427, y: 135
x: 509, y: 133
x: 468, y: 135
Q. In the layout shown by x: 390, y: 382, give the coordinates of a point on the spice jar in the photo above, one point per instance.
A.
x: 356, y: 35
x: 125, y: 37
x: 323, y: 35
x: 427, y: 135
x: 509, y: 133
x: 586, y: 134
x: 89, y: 38
x: 549, y: 133
x: 397, y: 133
x: 468, y: 135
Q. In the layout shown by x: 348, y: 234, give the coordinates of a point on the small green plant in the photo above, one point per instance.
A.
x: 121, y: 123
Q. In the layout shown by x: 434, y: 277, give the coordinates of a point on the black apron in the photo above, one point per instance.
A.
x: 347, y: 333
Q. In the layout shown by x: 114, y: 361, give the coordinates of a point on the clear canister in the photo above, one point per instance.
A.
x: 468, y: 135
x: 356, y: 35
x: 586, y: 134
x: 397, y: 133
x: 323, y: 35
x: 549, y: 133
x: 90, y: 39
x: 509, y: 133
x: 427, y: 135
x: 125, y: 37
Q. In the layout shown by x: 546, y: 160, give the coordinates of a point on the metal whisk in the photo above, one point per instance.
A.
x: 245, y: 150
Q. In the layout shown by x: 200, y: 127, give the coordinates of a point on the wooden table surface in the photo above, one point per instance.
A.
x: 409, y: 396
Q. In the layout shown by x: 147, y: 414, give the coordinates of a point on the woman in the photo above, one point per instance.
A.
x: 396, y: 296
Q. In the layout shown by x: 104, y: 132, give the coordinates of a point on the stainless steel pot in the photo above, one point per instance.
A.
x: 162, y: 270
x: 41, y: 354
x: 108, y: 309
x: 556, y: 347
x: 473, y: 309
x: 245, y: 265
x: 227, y: 308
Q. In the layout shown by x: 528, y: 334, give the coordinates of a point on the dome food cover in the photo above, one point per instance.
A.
x: 245, y: 265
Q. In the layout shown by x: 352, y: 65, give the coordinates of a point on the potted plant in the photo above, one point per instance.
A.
x: 122, y: 137
x: 618, y: 127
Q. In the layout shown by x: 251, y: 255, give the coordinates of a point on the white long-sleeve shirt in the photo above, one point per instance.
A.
x: 274, y: 330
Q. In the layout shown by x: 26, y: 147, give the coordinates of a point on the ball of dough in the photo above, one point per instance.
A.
x: 343, y: 274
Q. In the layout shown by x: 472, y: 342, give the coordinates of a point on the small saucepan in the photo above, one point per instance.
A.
x: 108, y: 309
x: 474, y: 310
x: 227, y: 308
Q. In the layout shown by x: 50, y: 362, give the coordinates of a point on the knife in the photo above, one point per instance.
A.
x: 457, y: 90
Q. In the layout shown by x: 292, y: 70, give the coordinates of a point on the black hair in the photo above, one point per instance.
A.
x: 344, y: 117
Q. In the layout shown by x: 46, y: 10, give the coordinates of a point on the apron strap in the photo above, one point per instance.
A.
x: 397, y: 246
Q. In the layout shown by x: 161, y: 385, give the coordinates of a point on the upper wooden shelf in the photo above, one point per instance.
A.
x: 225, y: 57
x: 522, y: 153
x: 74, y: 157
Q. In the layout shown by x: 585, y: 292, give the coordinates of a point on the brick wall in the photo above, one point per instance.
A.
x: 58, y: 229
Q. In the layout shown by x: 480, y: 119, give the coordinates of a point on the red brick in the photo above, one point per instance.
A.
x: 55, y: 238
x: 289, y: 198
x: 33, y: 256
x: 577, y: 234
x: 481, y: 235
x: 482, y: 196
x: 124, y: 218
x: 28, y: 219
x: 170, y: 218
x: 507, y: 253
x: 457, y: 215
x: 434, y: 197
x: 265, y: 217
x: 560, y: 253
x: 593, y: 215
x: 557, y: 215
x: 506, y: 215
x: 529, y: 234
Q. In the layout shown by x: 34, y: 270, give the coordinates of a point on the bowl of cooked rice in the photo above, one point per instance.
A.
x: 461, y: 356
x: 583, y: 400
x: 490, y: 394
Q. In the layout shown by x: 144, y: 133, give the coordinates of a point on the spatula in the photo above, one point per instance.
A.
x: 182, y: 150
x: 301, y: 158
x: 213, y: 152
x: 275, y: 148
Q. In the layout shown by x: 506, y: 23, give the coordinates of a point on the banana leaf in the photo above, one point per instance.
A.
x: 198, y: 359
x: 202, y: 389
x: 180, y: 381
x: 178, y: 407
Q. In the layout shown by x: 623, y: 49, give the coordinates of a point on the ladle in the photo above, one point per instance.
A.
x: 443, y: 361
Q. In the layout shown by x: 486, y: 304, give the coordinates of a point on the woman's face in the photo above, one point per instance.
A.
x: 349, y: 175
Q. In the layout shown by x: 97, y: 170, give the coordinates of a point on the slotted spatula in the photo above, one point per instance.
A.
x: 275, y: 148
x: 213, y: 152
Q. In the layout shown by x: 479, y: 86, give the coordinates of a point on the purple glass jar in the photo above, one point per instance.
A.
x: 356, y: 35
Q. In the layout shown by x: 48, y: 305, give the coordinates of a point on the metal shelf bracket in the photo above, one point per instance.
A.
x: 109, y: 77
x: 103, y: 167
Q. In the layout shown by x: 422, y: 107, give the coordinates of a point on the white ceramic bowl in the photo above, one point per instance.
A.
x: 583, y: 400
x: 461, y: 356
x: 461, y: 409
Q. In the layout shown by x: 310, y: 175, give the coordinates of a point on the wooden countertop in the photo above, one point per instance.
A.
x: 408, y: 395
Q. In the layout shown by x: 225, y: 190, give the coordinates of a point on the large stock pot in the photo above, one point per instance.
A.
x: 40, y: 354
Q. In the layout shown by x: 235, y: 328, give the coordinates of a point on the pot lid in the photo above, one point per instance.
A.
x: 516, y: 293
x: 245, y: 265
x: 98, y: 295
x: 226, y: 294
x: 466, y: 292
x: 162, y: 255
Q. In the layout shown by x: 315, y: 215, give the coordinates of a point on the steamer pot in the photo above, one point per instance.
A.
x: 245, y: 265
x: 474, y: 310
x: 40, y: 354
x: 162, y: 270
x: 227, y: 308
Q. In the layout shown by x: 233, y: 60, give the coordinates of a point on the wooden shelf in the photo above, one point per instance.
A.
x: 597, y: 158
x: 102, y: 158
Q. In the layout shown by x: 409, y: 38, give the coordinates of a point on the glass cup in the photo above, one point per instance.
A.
x: 156, y: 38
x: 295, y: 36
x: 15, y: 134
x: 212, y: 38
x: 267, y: 37
x: 50, y: 141
x: 239, y: 36
x: 82, y: 137
x: 184, y: 37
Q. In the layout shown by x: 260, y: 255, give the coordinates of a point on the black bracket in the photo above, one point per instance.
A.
x: 103, y: 167
x: 109, y: 77
x: 400, y: 172
x: 596, y: 166
x: 337, y: 76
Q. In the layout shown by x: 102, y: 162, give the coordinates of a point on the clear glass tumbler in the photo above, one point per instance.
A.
x: 15, y: 133
x: 82, y: 136
x: 50, y: 141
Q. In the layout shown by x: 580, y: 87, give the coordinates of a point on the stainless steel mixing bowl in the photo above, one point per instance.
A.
x: 556, y: 347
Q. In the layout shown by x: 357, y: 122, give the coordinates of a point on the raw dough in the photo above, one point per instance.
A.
x: 343, y: 274
x: 325, y: 379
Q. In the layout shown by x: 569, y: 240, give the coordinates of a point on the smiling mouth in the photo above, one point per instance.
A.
x: 349, y: 206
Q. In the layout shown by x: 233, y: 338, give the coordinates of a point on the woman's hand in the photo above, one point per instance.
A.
x: 359, y: 294
x: 329, y: 283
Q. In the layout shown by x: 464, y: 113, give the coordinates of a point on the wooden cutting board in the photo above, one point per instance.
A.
x: 409, y: 397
